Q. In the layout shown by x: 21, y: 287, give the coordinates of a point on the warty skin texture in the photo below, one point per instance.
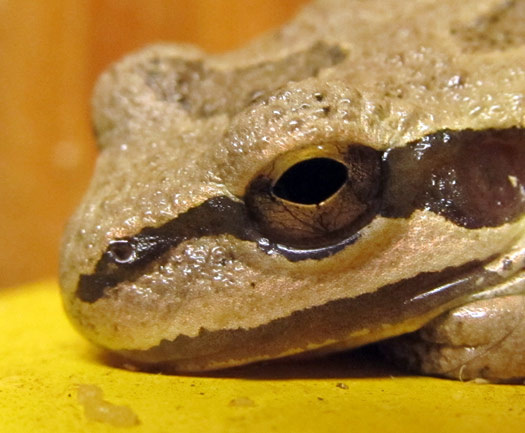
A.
x: 177, y: 127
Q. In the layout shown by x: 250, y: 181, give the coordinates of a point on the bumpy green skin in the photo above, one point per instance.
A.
x: 177, y: 127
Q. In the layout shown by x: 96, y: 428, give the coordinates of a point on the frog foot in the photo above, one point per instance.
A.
x: 481, y: 341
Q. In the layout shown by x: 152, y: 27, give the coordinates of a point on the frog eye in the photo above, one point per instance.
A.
x: 311, y: 200
x: 311, y: 182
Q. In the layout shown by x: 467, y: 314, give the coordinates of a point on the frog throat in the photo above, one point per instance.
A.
x: 474, y: 179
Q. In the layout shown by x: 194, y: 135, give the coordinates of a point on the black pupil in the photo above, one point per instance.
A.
x: 311, y: 181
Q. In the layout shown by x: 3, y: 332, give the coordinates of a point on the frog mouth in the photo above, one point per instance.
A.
x: 340, y: 324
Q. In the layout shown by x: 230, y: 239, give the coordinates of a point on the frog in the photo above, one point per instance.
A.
x: 355, y: 176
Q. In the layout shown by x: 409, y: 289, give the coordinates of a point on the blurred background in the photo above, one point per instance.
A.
x: 50, y: 55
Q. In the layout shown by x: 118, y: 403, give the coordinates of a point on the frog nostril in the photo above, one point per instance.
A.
x: 311, y: 181
x: 121, y: 251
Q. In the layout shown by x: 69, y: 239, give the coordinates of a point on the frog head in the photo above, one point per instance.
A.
x: 343, y: 180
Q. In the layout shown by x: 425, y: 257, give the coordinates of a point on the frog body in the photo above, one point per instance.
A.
x: 356, y: 175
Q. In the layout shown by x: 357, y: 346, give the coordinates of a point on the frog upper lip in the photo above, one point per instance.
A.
x: 394, y: 308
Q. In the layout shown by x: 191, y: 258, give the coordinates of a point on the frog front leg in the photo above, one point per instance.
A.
x: 483, y: 339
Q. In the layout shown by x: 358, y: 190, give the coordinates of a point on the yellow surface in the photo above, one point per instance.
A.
x: 43, y: 361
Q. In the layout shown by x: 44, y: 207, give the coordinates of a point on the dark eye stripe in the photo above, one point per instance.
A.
x: 216, y: 216
x: 473, y: 178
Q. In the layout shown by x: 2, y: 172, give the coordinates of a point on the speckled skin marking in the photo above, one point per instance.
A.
x: 178, y: 128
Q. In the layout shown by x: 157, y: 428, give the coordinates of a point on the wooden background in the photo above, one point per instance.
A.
x: 50, y: 55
